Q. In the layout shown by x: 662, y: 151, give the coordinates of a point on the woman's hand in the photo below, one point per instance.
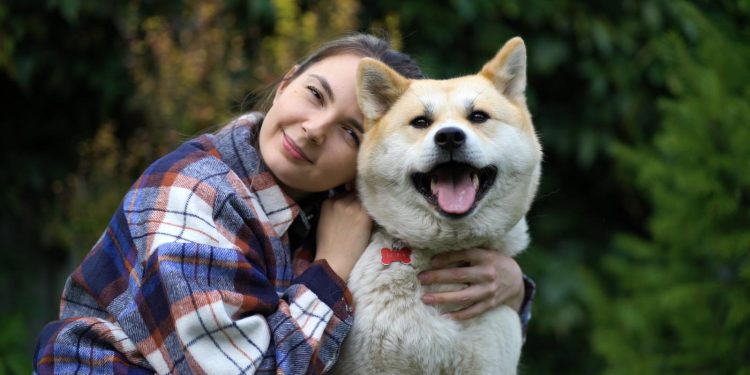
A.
x: 493, y: 279
x: 343, y: 232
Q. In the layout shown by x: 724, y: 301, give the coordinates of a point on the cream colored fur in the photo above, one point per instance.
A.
x: 394, y: 332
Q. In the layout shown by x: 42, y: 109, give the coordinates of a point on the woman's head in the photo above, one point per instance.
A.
x: 312, y: 129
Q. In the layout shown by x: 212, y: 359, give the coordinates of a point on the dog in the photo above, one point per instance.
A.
x: 444, y: 165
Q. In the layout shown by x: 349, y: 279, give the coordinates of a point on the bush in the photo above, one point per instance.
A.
x: 680, y: 300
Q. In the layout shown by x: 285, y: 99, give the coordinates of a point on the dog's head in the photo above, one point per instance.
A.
x: 449, y: 163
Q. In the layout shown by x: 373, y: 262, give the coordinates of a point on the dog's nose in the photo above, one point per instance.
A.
x: 450, y: 138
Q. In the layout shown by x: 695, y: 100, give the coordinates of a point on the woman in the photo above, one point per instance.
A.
x: 210, y: 264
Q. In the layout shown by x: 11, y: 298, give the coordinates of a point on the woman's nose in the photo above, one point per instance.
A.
x: 316, y: 129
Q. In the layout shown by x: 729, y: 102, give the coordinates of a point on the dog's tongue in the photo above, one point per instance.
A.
x: 455, y: 191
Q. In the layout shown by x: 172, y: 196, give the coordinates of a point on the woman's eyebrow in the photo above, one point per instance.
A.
x: 326, y: 86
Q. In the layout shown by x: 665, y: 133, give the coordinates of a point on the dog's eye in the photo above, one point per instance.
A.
x: 420, y: 122
x: 478, y: 117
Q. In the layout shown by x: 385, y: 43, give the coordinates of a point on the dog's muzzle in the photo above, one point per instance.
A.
x: 454, y: 188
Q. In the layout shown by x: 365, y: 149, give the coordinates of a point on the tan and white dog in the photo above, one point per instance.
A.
x: 445, y: 165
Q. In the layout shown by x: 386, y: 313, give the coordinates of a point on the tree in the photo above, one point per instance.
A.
x: 680, y: 300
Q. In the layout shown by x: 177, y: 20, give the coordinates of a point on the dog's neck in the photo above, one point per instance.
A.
x: 395, y: 250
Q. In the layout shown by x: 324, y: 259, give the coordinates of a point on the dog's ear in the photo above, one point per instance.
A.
x: 507, y: 70
x: 378, y: 87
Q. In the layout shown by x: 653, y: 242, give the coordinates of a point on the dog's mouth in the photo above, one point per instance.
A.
x: 455, y: 188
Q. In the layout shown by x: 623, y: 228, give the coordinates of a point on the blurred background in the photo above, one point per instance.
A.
x: 641, y: 228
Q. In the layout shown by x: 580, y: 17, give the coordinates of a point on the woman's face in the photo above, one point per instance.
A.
x: 311, y: 133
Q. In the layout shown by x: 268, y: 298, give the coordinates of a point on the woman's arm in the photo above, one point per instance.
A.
x: 343, y: 232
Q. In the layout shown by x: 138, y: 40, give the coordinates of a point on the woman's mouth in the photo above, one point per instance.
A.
x: 293, y: 150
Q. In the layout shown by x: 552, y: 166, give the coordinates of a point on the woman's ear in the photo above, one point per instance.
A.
x: 285, y: 81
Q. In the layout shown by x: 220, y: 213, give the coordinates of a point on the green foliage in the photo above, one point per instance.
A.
x: 87, y: 198
x: 298, y: 30
x: 680, y: 302
x: 61, y: 75
x: 13, y: 357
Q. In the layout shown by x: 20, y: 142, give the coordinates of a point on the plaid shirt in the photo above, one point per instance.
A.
x: 194, y: 274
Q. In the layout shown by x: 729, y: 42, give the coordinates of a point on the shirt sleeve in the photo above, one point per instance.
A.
x: 528, y: 300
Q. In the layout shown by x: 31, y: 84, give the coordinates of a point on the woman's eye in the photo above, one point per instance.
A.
x: 420, y: 122
x: 314, y: 91
x: 352, y: 134
x: 478, y: 117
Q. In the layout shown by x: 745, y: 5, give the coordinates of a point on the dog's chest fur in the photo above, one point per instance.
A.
x: 395, y: 333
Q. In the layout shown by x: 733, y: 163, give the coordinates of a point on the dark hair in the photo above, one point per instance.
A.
x: 359, y: 44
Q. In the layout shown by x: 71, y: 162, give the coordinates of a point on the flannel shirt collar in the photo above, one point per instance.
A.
x: 238, y: 150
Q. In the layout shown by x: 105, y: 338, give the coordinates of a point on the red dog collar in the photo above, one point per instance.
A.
x: 388, y: 256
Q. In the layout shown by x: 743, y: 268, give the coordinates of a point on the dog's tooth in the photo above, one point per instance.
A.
x: 475, y: 179
x: 433, y: 183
